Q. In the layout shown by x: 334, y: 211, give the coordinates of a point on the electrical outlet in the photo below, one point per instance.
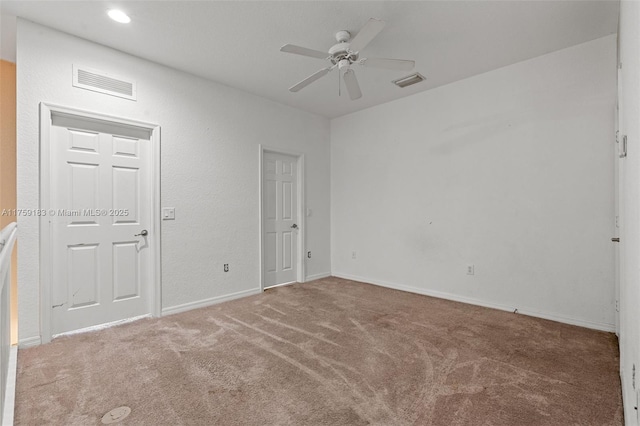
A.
x: 309, y: 254
x: 353, y: 255
x: 470, y: 269
x: 226, y: 267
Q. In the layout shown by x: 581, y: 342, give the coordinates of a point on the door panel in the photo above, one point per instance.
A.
x: 287, y: 199
x: 271, y: 248
x: 83, y: 141
x: 271, y: 199
x: 126, y: 189
x: 83, y: 188
x: 125, y: 147
x: 100, y: 192
x: 287, y: 251
x: 82, y: 275
x: 126, y: 275
x: 280, y: 210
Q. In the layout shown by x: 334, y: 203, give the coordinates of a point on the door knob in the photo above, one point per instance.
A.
x: 144, y: 233
x: 294, y: 226
x: 615, y: 239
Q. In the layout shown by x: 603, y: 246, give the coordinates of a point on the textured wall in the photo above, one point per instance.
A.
x: 511, y: 171
x: 210, y: 159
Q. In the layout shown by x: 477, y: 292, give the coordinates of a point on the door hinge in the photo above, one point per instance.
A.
x: 617, y: 306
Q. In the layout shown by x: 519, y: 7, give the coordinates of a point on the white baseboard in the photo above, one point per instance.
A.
x: 29, y: 342
x: 317, y: 276
x: 10, y: 387
x: 486, y: 304
x: 208, y: 302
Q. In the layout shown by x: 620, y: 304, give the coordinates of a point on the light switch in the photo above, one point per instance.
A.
x: 168, y: 213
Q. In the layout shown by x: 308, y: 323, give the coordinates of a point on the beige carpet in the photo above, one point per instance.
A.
x: 330, y: 352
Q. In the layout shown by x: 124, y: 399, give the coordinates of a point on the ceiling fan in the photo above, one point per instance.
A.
x: 346, y: 53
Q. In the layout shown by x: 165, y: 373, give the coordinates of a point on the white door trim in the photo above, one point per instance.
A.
x: 46, y: 121
x: 300, y: 272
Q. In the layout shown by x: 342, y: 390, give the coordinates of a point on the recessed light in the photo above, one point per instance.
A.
x: 119, y: 16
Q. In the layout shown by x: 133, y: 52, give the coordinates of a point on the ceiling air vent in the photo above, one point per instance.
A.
x: 409, y: 80
x: 102, y: 82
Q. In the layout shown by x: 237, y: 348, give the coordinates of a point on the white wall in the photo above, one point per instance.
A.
x: 629, y: 122
x: 210, y: 156
x: 511, y: 171
x: 7, y: 37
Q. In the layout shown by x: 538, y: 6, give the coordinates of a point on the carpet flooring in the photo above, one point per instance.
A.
x: 329, y: 352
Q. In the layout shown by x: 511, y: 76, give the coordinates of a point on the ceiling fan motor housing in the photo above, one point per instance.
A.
x: 341, y: 51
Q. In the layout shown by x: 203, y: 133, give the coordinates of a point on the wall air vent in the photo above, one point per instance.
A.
x: 102, y: 82
x: 409, y: 80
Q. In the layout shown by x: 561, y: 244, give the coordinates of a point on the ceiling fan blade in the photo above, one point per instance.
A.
x: 298, y: 50
x: 351, y: 82
x: 313, y: 77
x: 366, y: 34
x: 390, y: 64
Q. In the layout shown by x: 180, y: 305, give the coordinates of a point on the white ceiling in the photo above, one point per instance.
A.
x: 237, y: 42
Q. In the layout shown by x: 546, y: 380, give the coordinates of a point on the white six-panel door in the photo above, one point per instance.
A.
x: 280, y: 211
x: 100, y: 199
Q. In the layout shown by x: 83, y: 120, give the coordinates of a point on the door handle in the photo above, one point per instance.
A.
x: 615, y: 239
x: 294, y: 226
x: 144, y: 233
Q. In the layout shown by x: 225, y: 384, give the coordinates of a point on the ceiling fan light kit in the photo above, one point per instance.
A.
x: 346, y: 53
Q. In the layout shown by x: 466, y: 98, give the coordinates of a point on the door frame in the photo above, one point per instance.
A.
x: 617, y: 247
x: 300, y: 263
x: 47, y: 111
